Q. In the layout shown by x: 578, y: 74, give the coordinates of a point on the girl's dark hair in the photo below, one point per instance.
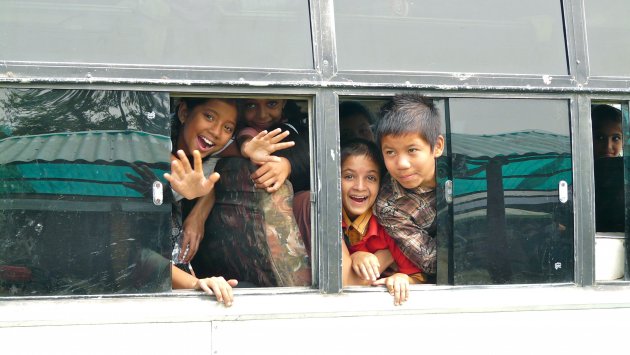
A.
x: 363, y: 147
x: 351, y: 108
x: 602, y: 114
x: 294, y: 115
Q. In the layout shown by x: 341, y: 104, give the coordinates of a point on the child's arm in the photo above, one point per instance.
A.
x: 368, y: 265
x: 271, y: 175
x: 194, y: 225
x: 348, y: 277
x: 397, y: 286
x: 218, y: 286
x: 259, y: 148
x: 188, y: 182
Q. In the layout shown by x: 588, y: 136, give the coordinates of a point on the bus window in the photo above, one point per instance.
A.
x: 363, y: 177
x: 257, y: 232
x: 81, y: 213
x: 512, y: 202
x: 68, y: 224
x: 610, y: 207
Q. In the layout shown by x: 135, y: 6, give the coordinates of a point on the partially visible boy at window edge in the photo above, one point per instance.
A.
x: 408, y: 135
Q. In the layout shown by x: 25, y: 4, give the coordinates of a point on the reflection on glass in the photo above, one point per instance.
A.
x: 225, y: 33
x: 68, y: 224
x: 494, y: 36
x: 610, y: 205
x: 607, y: 22
x: 508, y: 159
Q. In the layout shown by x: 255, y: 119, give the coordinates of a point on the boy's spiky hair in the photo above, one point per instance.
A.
x: 408, y: 114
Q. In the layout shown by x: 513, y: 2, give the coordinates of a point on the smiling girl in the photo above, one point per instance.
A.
x: 368, y: 250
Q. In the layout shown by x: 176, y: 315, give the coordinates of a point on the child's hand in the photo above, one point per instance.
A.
x: 188, y: 182
x: 260, y: 148
x: 218, y: 286
x: 397, y: 286
x: 365, y: 265
x: 271, y: 175
x: 193, y: 229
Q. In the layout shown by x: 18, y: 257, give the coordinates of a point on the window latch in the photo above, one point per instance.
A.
x: 563, y: 191
x: 448, y: 191
x: 158, y: 193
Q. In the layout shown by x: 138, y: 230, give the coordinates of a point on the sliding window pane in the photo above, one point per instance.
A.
x: 69, y: 225
x: 608, y: 30
x: 512, y: 200
x: 490, y: 36
x: 215, y: 33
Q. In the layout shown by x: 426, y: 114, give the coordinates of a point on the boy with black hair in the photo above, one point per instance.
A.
x: 408, y: 135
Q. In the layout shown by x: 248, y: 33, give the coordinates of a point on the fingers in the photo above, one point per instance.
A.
x: 283, y: 145
x: 197, y: 161
x: 276, y: 186
x: 183, y: 160
x: 221, y: 289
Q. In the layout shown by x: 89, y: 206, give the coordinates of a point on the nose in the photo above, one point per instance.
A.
x: 403, y: 163
x: 215, y: 128
x: 611, y: 145
x: 360, y: 184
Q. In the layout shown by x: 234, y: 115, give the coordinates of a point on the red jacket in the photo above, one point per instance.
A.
x: 376, y: 238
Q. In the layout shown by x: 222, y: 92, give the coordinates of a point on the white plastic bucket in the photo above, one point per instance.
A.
x: 610, y: 253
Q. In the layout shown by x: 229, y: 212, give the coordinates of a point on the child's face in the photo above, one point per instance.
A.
x: 356, y: 126
x: 207, y: 127
x: 410, y: 160
x: 608, y: 140
x: 359, y: 184
x: 263, y: 113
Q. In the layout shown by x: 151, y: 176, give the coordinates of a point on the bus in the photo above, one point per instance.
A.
x: 532, y: 226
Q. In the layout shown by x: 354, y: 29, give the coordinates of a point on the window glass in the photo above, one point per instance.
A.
x: 69, y: 225
x: 224, y: 33
x: 510, y: 159
x: 609, y: 123
x: 606, y: 23
x: 490, y: 36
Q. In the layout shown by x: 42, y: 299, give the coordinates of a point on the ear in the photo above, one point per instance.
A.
x: 438, y: 149
x: 182, y: 112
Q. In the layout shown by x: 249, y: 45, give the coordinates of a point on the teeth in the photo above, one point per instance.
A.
x: 208, y: 142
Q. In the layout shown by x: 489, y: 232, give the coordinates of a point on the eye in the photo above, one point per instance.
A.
x: 229, y: 129
x: 616, y: 138
x: 373, y: 178
x: 210, y: 117
x: 390, y: 153
x: 348, y: 177
x: 272, y: 104
x: 413, y: 150
x: 250, y: 106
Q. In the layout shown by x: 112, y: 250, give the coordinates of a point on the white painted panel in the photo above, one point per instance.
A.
x: 150, y: 338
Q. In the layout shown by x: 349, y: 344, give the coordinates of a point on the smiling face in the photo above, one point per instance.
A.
x: 410, y: 160
x: 359, y: 184
x: 263, y: 113
x: 207, y: 127
x: 608, y: 140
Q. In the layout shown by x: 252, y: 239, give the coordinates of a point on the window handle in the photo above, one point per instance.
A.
x: 448, y: 191
x: 563, y: 191
x: 158, y: 193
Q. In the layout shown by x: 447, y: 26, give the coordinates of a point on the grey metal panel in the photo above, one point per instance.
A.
x: 246, y: 33
x: 455, y: 36
x: 91, y: 146
x: 608, y: 29
x: 584, y: 193
x: 328, y: 191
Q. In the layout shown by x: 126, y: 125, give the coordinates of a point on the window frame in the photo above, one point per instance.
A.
x: 324, y: 84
